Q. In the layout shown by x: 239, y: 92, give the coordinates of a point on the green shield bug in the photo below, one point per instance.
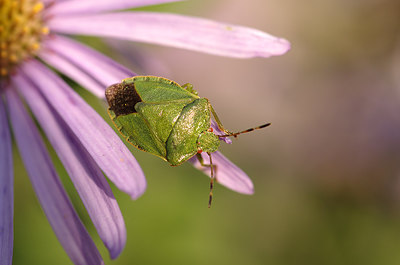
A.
x: 170, y: 121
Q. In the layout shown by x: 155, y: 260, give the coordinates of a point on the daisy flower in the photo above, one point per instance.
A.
x: 32, y: 43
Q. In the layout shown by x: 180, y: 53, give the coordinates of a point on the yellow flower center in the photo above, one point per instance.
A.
x: 21, y: 31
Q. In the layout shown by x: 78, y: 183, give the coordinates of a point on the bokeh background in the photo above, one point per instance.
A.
x: 326, y: 173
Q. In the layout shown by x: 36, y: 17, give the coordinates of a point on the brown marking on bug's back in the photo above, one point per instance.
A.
x: 122, y: 98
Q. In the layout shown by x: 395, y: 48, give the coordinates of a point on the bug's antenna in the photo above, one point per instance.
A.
x: 211, y: 181
x: 245, y: 131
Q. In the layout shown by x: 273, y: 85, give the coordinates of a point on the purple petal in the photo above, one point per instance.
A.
x: 95, y: 6
x: 55, y: 202
x: 86, y: 66
x: 88, y: 179
x: 177, y: 31
x: 137, y: 58
x: 72, y: 71
x: 228, y: 174
x: 217, y: 131
x: 6, y: 190
x: 109, y: 152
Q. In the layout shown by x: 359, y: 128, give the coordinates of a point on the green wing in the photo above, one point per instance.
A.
x: 136, y: 131
x: 153, y: 89
x: 193, y: 120
x: 161, y: 118
x: 150, y: 127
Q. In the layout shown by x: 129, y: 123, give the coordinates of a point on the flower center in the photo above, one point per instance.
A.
x: 21, y: 29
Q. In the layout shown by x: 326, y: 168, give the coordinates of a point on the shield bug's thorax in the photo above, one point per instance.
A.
x: 159, y: 116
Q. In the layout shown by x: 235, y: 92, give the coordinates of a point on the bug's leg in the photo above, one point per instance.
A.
x: 211, y: 181
x: 189, y: 87
x: 213, y: 169
x: 201, y: 160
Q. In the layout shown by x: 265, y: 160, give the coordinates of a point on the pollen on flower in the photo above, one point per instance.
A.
x: 25, y: 30
x: 3, y: 72
x: 45, y: 30
x: 35, y: 46
x: 22, y: 29
x: 13, y: 58
x: 37, y: 7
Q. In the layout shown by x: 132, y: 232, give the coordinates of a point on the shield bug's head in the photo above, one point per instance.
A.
x: 208, y: 142
x: 122, y: 98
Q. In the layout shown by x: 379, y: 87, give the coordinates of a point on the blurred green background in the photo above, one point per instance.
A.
x: 326, y: 173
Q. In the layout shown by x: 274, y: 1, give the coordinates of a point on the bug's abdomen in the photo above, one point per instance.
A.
x: 182, y: 142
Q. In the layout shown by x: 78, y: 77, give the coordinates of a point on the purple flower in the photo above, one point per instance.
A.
x: 83, y: 141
